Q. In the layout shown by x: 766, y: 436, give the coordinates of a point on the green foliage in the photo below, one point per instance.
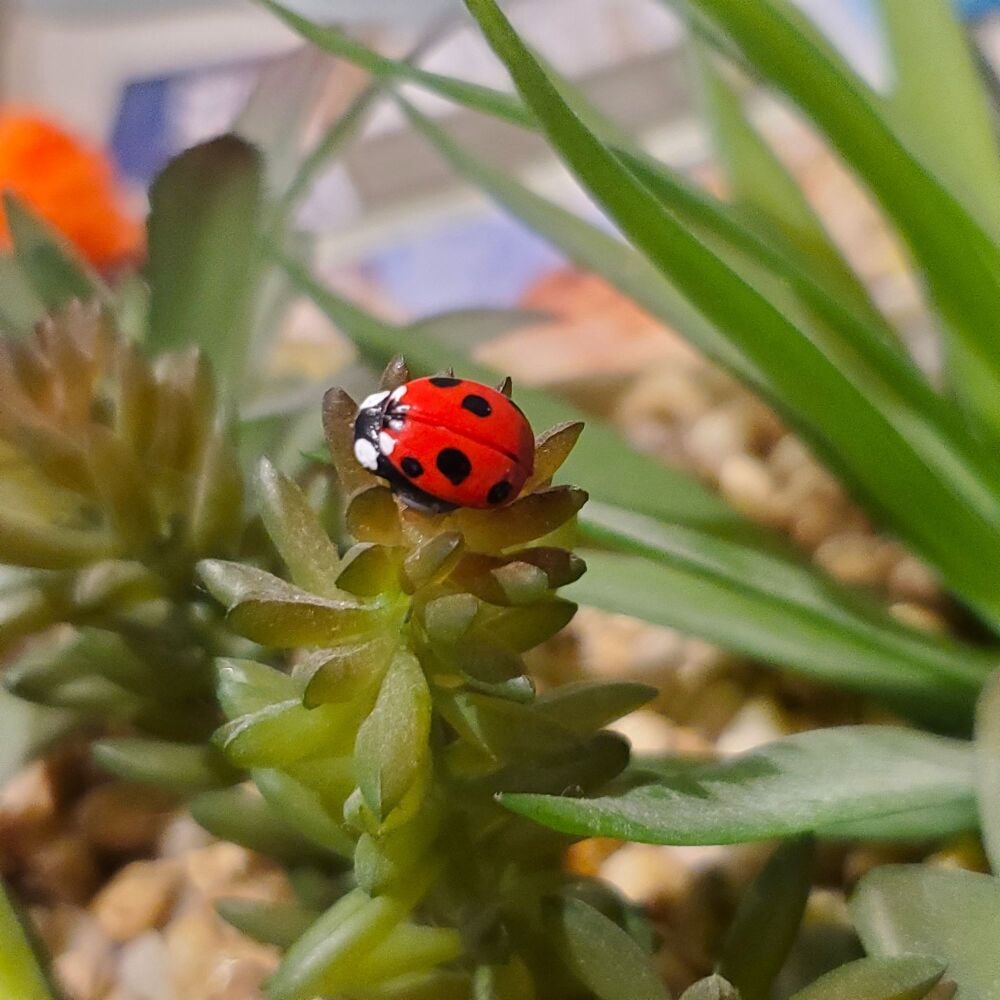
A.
x: 370, y: 720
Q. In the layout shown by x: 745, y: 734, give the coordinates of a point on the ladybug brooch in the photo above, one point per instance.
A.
x: 444, y: 442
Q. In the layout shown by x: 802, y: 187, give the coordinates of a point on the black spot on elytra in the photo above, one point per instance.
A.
x: 477, y: 405
x: 454, y: 465
x: 411, y: 467
x: 498, y: 492
x: 444, y: 381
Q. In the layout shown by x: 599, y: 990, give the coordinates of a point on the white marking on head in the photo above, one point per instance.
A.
x: 366, y: 453
x: 396, y: 423
x: 398, y: 394
x: 386, y: 443
x: 373, y: 400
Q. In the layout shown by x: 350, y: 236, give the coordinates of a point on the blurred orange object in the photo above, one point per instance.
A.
x: 70, y: 185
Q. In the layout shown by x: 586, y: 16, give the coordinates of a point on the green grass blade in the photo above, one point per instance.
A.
x: 937, y: 96
x: 22, y: 972
x: 850, y: 423
x: 340, y: 44
x: 959, y: 260
x: 863, y: 647
x: 799, y: 784
x: 204, y: 229
x: 743, y: 618
x: 761, y: 185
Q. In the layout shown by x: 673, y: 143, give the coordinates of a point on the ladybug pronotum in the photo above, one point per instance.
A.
x: 444, y: 442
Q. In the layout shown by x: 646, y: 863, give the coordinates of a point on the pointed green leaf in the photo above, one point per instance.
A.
x: 294, y: 527
x: 392, y: 745
x: 937, y: 95
x: 280, y: 924
x: 242, y: 817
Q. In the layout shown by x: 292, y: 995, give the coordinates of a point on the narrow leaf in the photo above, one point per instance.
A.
x: 937, y: 96
x: 392, y: 743
x: 767, y: 921
x: 605, y: 958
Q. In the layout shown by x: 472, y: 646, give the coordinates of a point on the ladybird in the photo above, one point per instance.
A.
x: 444, y: 442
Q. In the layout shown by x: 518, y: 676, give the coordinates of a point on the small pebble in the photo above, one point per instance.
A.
x: 747, y: 484
x: 144, y: 969
x: 137, y: 899
x: 919, y: 617
x: 647, y: 731
x: 855, y: 558
x: 715, y: 437
x: 643, y: 872
x: 757, y: 722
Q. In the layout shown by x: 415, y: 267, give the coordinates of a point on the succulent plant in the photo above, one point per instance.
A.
x: 117, y: 476
x: 407, y: 710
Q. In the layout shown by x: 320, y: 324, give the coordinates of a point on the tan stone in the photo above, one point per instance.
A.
x: 646, y: 872
x: 747, y: 484
x: 137, y: 899
x: 856, y: 558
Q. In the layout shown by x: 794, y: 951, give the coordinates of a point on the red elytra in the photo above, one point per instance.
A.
x: 458, y: 441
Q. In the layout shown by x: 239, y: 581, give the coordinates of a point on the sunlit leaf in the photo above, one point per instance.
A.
x: 798, y: 784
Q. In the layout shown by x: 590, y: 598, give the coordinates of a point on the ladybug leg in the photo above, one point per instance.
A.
x: 506, y: 387
x: 416, y: 499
